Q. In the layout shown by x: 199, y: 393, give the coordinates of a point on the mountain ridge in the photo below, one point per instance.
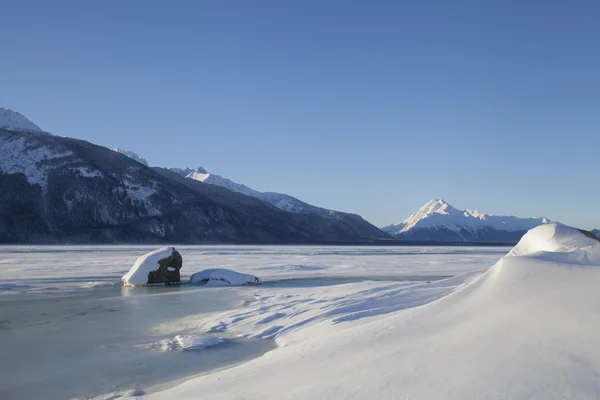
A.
x: 438, y: 221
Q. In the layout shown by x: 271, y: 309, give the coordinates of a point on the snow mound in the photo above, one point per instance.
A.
x: 556, y: 238
x: 14, y: 121
x: 138, y: 274
x: 224, y: 277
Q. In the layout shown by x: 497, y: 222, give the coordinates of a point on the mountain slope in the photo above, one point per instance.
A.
x: 63, y: 190
x: 131, y: 154
x: 284, y: 202
x: 14, y: 121
x: 439, y: 221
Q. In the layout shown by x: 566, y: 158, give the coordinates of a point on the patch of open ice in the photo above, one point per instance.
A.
x: 223, y: 277
x: 99, y: 284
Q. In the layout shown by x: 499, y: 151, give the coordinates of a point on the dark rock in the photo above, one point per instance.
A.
x: 589, y: 234
x: 168, y: 272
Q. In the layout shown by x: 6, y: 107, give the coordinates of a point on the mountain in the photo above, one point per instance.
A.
x: 14, y: 121
x: 438, y: 221
x: 282, y: 201
x: 596, y: 232
x: 131, y: 154
x: 62, y: 190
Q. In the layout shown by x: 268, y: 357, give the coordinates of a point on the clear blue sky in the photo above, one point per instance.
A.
x: 373, y: 107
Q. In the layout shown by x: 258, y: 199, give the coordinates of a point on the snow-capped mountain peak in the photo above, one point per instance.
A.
x: 14, y: 121
x: 439, y: 221
x: 131, y: 154
x: 198, y: 174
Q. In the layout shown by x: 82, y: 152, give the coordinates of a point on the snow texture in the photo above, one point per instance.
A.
x: 16, y: 155
x: 221, y: 277
x: 14, y: 121
x: 526, y: 329
x: 438, y: 213
x: 186, y: 342
x: 138, y: 274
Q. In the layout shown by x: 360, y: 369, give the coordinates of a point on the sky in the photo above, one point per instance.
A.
x: 371, y: 107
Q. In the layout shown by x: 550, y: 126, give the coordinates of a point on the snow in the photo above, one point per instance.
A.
x: 221, y: 277
x: 16, y: 155
x: 438, y: 213
x: 527, y: 328
x: 186, y: 342
x: 87, y: 172
x: 131, y: 154
x: 14, y: 121
x: 138, y: 274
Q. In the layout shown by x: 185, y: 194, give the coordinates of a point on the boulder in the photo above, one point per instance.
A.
x: 223, y: 277
x: 158, y: 266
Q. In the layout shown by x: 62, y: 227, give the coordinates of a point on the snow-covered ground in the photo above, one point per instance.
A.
x: 528, y: 328
x: 348, y: 322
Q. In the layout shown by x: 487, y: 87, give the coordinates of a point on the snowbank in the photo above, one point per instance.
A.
x: 224, y: 277
x: 526, y: 329
x: 560, y: 243
x: 165, y: 260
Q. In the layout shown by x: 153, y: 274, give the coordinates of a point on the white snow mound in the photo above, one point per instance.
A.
x: 224, y: 277
x: 138, y: 274
x: 565, y: 244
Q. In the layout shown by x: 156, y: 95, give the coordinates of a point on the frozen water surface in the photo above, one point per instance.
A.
x: 69, y: 329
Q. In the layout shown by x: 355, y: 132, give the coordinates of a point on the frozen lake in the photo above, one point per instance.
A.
x: 70, y: 330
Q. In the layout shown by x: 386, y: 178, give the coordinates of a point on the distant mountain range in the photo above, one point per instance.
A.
x: 63, y: 190
x: 438, y: 221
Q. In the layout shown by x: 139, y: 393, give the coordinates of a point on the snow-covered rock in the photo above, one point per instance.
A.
x: 223, y: 277
x: 439, y: 221
x: 14, y: 121
x: 131, y: 154
x: 159, y: 266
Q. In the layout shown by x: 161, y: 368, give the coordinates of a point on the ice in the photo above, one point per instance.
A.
x: 68, y: 340
x: 222, y: 277
x: 100, y: 284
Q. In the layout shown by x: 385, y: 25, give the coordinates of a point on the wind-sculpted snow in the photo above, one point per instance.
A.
x: 525, y: 329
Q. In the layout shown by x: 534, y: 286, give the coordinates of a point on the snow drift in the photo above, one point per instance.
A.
x: 220, y: 277
x: 525, y: 329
